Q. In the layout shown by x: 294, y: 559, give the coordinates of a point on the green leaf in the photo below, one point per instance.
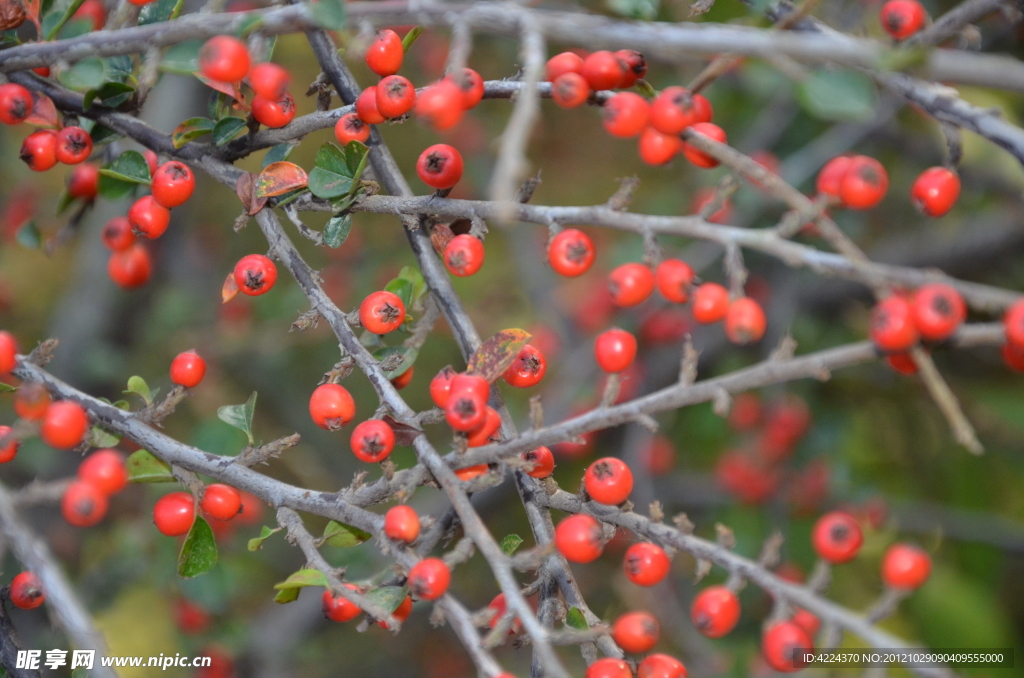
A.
x: 278, y: 153
x: 161, y: 10
x: 408, y: 354
x: 250, y: 22
x: 411, y: 37
x: 7, y: 388
x: 130, y: 167
x: 190, y: 129
x: 837, y: 95
x: 75, y: 28
x: 119, y: 68
x: 256, y: 543
x: 510, y: 543
x: 182, y: 58
x: 287, y: 596
x: 103, y: 135
x: 303, y: 578
x: 240, y: 416
x: 329, y: 14
x: 388, y: 597
x: 331, y: 177
x: 337, y: 229
x: 355, y: 158
x: 110, y: 94
x: 144, y: 467
x: 56, y: 18
x: 417, y: 286
x: 903, y: 58
x: 575, y: 619
x: 227, y: 129
x: 89, y: 73
x: 635, y: 9
x: 403, y: 288
x: 28, y: 236
x: 63, y: 202
x: 343, y: 536
x: 103, y: 438
x: 139, y: 387
x: 199, y: 552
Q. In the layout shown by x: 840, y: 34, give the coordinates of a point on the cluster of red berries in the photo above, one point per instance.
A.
x: 933, y: 314
x: 44, y: 148
x: 859, y: 182
x: 225, y: 59
x: 174, y: 513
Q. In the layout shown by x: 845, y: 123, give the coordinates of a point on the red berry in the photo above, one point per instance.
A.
x: 429, y: 579
x: 892, y: 325
x: 174, y: 513
x: 471, y: 86
x: 172, y: 184
x: 402, y: 380
x: 39, y: 150
x: 566, y: 62
x: 396, y: 96
x: 350, y: 127
x: 382, y: 312
x: 673, y: 110
x: 94, y: 11
x: 615, y: 350
x: 269, y: 81
x: 31, y: 401
x: 702, y: 111
x: 401, y: 613
x: 602, y: 70
x: 466, y: 409
x: 715, y: 611
x: 464, y: 255
x: 255, y: 274
x: 630, y: 284
x: 905, y: 566
x: 64, y: 425
x: 372, y: 441
x: 224, y: 58
x: 130, y: 267
x: 579, y: 538
x: 698, y: 157
x: 656, y: 148
x: 938, y: 311
x: 221, y: 502
x: 646, y: 564
x: 625, y: 114
x: 902, y: 18
x: 837, y: 537
x: 710, y: 303
x: 15, y: 103
x: 634, y: 64
x: 366, y: 107
x: 571, y: 253
x: 745, y: 321
x: 27, y: 591
x: 807, y: 621
x: 73, y: 145
x: 902, y: 363
x: 935, y: 191
x: 331, y: 406
x: 498, y: 608
x: 83, y: 504
x: 402, y: 523
x: 8, y: 352
x: 608, y: 481
x: 609, y: 667
x: 469, y: 472
x: 864, y: 183
x: 148, y: 218
x: 84, y: 181
x: 658, y: 456
x: 339, y: 609
x: 273, y: 113
x: 781, y: 645
x: 188, y: 369
x: 660, y: 666
x: 442, y: 104
x: 831, y: 175
x: 636, y: 632
x: 151, y: 160
x: 543, y: 462
x: 104, y: 469
x: 10, y: 450
x: 385, y: 54
x: 441, y: 384
x: 190, y: 617
x: 1013, y: 323
x: 570, y: 90
x: 674, y: 279
x: 1013, y: 357
x: 527, y: 369
x: 439, y: 166
x: 117, y: 234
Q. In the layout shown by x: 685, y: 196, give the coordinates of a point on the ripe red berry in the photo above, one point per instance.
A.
x: 366, y: 107
x: 174, y: 513
x: 646, y: 564
x: 151, y: 160
x: 660, y: 666
x: 402, y: 380
x: 439, y: 166
x: 615, y: 350
x: 571, y: 253
x: 674, y: 279
x: 566, y: 62
x: 429, y: 579
x: 938, y: 311
x: 10, y: 450
x: 8, y: 352
x: 715, y: 611
x: 469, y: 472
x: 372, y: 441
x: 224, y: 58
x: 781, y: 645
x: 570, y: 90
x: 905, y: 566
x: 656, y: 148
x: 864, y: 183
x: 543, y: 462
x: 745, y: 321
x: 396, y: 96
x: 892, y: 325
x: 255, y: 274
x: 673, y: 110
x: 221, y: 502
x: 83, y: 504
x: 350, y: 127
x: 464, y: 255
x: 702, y: 111
x: 172, y: 184
x: 382, y: 312
x: 636, y: 632
x: 130, y: 267
x: 609, y: 667
x: 94, y: 11
x: 710, y: 303
x: 602, y: 70
x: 902, y: 18
x: 188, y: 369
x: 442, y: 104
x: 273, y: 113
x: 902, y: 363
x: 935, y: 191
x: 64, y: 425
x: 527, y: 369
x: 385, y: 54
x: 117, y: 234
x: 466, y: 409
x: 27, y: 591
x: 470, y: 85
x: 634, y: 65
x: 484, y: 434
x: 31, y: 401
x: 630, y: 284
x: 39, y: 150
x: 331, y: 406
x: 807, y: 621
x: 837, y: 537
x: 73, y: 145
x: 84, y: 181
x: 402, y: 523
x: 831, y: 175
x: 15, y: 103
x: 441, y: 384
x: 1013, y: 323
x: 269, y: 80
x: 339, y: 609
x: 698, y: 157
x: 400, y: 613
x: 579, y: 538
x: 625, y: 114
x: 1013, y: 357
x: 148, y: 218
x: 608, y: 481
x: 498, y: 608
x: 104, y: 469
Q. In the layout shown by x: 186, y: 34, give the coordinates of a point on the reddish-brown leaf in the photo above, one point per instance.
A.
x: 279, y: 178
x: 495, y: 355
x: 12, y: 14
x: 440, y: 236
x: 44, y: 113
x: 245, y: 189
x: 222, y: 87
x: 229, y: 290
x: 404, y: 434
